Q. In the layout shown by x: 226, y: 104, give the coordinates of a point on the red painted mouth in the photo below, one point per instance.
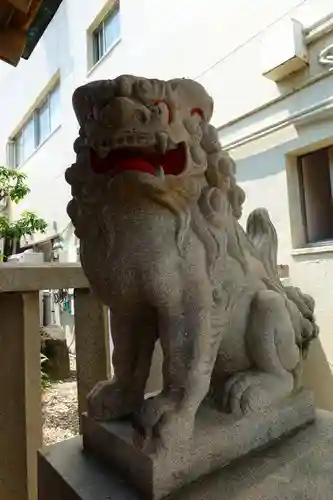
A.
x: 121, y: 160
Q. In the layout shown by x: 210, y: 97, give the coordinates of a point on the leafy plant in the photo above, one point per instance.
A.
x: 13, y: 186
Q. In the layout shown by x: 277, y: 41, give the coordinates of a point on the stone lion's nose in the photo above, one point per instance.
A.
x: 124, y: 112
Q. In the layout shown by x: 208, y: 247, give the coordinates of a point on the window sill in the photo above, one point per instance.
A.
x: 39, y: 146
x: 286, y: 281
x: 315, y: 249
x: 104, y: 56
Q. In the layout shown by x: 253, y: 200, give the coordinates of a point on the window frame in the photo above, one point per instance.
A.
x: 307, y: 240
x: 98, y: 38
x: 17, y: 160
x: 38, y: 128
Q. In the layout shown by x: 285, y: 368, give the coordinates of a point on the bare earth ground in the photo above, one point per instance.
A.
x: 60, y: 410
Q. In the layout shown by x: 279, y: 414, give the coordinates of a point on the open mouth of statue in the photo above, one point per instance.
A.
x: 144, y: 160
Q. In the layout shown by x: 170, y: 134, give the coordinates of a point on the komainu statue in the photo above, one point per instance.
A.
x: 156, y: 206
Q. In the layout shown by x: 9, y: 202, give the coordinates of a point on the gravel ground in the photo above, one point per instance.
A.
x: 60, y: 410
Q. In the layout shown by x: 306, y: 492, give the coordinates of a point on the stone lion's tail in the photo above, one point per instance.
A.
x: 262, y: 234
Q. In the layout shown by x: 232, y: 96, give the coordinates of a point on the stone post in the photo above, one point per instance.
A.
x: 20, y: 402
x: 92, y: 340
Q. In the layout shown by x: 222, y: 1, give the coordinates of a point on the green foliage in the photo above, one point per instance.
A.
x: 28, y: 224
x: 13, y: 184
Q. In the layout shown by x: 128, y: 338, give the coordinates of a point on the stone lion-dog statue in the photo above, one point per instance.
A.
x: 156, y: 206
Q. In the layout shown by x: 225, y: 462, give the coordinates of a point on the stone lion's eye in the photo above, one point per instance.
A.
x: 161, y: 107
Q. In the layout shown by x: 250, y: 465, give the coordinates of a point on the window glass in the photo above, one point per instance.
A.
x: 44, y: 126
x: 98, y: 44
x: 28, y: 138
x: 106, y: 35
x: 55, y: 108
x: 42, y: 122
x: 112, y: 29
x: 18, y: 147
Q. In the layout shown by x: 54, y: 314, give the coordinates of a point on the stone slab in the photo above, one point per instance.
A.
x: 218, y: 440
x: 46, y: 276
x: 297, y: 467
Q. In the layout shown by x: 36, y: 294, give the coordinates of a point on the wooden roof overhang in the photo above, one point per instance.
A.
x: 22, y: 24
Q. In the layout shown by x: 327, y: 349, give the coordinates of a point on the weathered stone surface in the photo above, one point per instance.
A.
x: 298, y: 467
x: 20, y: 402
x: 218, y: 439
x: 54, y: 347
x: 156, y: 207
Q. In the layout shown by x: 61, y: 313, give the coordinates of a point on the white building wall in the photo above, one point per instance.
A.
x: 218, y: 45
x: 169, y: 38
x: 262, y: 171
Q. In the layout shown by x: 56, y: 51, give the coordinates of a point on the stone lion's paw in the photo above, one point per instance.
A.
x: 109, y: 401
x: 151, y: 421
x: 243, y: 394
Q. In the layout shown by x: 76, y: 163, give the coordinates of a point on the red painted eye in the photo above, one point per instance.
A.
x: 197, y: 111
x: 162, y: 101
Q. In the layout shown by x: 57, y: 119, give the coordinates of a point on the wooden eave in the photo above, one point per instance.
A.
x: 22, y: 23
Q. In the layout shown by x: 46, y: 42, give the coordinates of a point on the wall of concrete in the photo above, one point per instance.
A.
x: 218, y: 46
x: 221, y: 48
x: 266, y: 153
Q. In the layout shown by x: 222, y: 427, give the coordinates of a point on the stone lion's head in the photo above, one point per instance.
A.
x: 152, y: 132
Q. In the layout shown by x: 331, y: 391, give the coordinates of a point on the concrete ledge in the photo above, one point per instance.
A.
x: 218, y: 440
x: 29, y: 277
x: 300, y: 466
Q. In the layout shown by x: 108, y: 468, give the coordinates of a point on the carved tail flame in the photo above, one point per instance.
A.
x: 262, y: 234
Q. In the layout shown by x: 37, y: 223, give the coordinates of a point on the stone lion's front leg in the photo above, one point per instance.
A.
x: 134, y: 339
x: 189, y: 352
x: 275, y: 357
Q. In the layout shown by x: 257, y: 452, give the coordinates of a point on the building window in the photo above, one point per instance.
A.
x: 315, y: 173
x: 107, y: 34
x: 42, y: 121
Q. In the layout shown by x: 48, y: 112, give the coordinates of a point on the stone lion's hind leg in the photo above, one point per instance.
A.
x: 274, y: 354
x: 251, y: 391
x: 134, y: 338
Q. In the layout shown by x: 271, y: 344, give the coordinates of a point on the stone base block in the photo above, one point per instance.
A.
x: 218, y: 440
x: 296, y: 467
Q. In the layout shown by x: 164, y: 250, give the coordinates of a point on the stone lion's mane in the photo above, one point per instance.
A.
x: 201, y: 199
x: 190, y: 198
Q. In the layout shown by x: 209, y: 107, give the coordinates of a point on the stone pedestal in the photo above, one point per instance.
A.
x: 218, y: 439
x: 299, y: 466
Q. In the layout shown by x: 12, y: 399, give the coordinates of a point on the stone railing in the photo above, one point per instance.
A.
x: 20, y: 401
x: 20, y: 391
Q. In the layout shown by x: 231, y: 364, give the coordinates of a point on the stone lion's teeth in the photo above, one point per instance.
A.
x: 103, y: 152
x: 162, y: 140
x: 102, y: 147
x: 159, y: 171
x: 90, y: 142
x: 171, y: 144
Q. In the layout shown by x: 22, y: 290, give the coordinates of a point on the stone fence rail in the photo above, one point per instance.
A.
x: 20, y: 400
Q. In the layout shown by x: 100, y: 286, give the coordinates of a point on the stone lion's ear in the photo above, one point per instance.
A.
x: 82, y: 104
x: 210, y: 109
x: 79, y: 96
x: 174, y: 84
